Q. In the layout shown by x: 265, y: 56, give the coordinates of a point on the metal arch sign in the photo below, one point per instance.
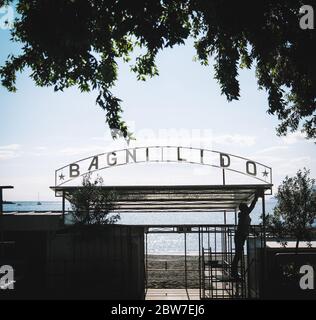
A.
x: 163, y: 154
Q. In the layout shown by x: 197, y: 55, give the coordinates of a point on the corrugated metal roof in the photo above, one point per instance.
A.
x: 179, y: 198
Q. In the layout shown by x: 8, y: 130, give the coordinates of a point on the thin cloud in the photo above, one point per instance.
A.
x: 272, y: 150
x: 295, y: 137
x: 77, y: 151
x: 10, y: 147
x: 10, y: 151
x: 235, y: 139
x: 40, y: 148
x: 290, y: 166
x: 205, y: 138
x: 185, y: 137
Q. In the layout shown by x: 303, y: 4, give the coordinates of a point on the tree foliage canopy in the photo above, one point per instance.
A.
x: 79, y: 42
x: 296, y: 208
x: 92, y: 204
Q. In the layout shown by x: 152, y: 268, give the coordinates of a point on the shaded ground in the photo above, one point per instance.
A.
x: 167, y: 271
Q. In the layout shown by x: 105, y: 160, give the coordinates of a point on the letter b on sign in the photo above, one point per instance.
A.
x: 74, y: 170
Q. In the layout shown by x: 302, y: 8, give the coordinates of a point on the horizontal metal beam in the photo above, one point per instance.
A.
x: 175, y: 187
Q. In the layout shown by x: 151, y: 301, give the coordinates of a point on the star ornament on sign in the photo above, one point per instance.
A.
x: 265, y: 173
x: 61, y: 177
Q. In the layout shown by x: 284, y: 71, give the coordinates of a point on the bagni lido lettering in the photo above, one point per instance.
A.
x: 223, y: 161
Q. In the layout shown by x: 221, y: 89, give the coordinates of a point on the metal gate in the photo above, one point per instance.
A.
x: 216, y: 249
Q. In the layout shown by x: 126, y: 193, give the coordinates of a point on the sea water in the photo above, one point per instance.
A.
x: 158, y: 243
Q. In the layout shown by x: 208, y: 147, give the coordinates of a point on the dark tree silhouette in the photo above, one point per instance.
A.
x: 91, y: 204
x: 78, y: 42
x: 296, y: 209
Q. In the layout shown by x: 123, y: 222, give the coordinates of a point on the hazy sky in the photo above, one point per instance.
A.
x: 41, y: 130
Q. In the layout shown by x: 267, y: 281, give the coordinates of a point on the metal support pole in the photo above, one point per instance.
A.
x: 264, y: 219
x: 263, y: 263
x: 63, y: 207
x: 146, y: 260
x: 200, y: 254
x: 224, y: 178
x: 224, y: 246
x: 1, y: 234
x: 1, y: 201
x: 185, y: 263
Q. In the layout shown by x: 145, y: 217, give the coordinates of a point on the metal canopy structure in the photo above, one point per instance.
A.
x: 178, y: 198
x: 215, y: 242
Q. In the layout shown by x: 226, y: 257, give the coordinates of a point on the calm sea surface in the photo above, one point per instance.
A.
x: 157, y: 243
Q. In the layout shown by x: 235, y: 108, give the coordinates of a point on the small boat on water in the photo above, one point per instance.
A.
x: 38, y: 202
